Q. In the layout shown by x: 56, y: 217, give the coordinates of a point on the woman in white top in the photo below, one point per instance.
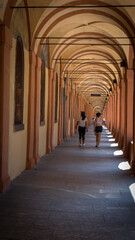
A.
x: 82, y: 123
x: 98, y: 128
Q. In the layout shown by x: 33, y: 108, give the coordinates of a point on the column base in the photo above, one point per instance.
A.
x: 125, y: 152
x: 133, y: 166
x: 48, y: 150
x: 117, y: 137
x: 37, y: 159
x: 52, y: 148
x: 30, y: 163
x: 120, y: 142
x: 4, y: 184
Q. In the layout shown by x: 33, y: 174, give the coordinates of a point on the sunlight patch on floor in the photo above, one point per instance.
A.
x: 108, y: 132
x: 111, y: 140
x: 114, y: 145
x: 124, y: 166
x: 132, y: 190
x: 118, y: 153
x: 110, y: 136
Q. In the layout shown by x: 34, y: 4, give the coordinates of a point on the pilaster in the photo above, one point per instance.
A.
x: 30, y: 162
x: 71, y: 118
x: 49, y: 120
x: 67, y: 112
x: 37, y: 109
x: 5, y: 46
x: 53, y: 110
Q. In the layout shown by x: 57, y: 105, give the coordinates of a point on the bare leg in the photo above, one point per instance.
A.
x: 98, y: 138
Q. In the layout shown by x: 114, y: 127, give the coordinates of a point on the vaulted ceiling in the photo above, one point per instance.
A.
x: 88, y: 38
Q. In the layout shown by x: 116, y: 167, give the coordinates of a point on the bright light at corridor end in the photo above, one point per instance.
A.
x: 124, y: 166
x: 132, y: 190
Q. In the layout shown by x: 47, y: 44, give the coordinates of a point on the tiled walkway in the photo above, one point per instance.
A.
x: 73, y: 194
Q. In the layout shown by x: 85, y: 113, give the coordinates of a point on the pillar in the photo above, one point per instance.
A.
x: 67, y: 111
x: 60, y: 123
x: 30, y: 162
x: 72, y: 106
x: 117, y: 112
x: 129, y: 113
x: 49, y: 118
x: 133, y: 163
x: 37, y: 109
x: 122, y: 113
x: 110, y: 114
x: 53, y: 110
x: 107, y: 114
x: 76, y: 109
x: 5, y: 46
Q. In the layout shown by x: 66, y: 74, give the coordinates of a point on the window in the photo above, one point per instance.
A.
x: 42, y: 95
x: 19, y: 86
x: 56, y: 98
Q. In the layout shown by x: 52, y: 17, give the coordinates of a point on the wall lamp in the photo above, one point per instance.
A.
x: 123, y: 63
x: 114, y: 81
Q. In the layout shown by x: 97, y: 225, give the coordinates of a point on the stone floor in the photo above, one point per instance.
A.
x: 74, y: 193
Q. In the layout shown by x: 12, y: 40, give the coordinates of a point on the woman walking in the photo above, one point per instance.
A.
x: 98, y: 128
x: 82, y: 123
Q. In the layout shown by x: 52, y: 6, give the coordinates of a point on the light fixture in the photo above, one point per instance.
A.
x: 114, y: 81
x: 123, y: 63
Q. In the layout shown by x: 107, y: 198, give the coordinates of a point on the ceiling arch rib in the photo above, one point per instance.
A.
x: 94, y: 90
x: 95, y: 41
x: 92, y: 72
x: 102, y: 81
x: 108, y: 16
x: 116, y: 15
x: 93, y: 67
x: 93, y: 55
x: 91, y: 39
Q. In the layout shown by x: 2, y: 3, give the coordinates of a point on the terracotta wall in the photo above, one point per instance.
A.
x: 17, y: 140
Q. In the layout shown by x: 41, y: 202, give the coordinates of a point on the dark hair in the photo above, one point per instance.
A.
x: 83, y: 115
x: 98, y: 114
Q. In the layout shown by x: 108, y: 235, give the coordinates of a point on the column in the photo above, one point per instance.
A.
x: 53, y: 110
x: 110, y: 114
x: 60, y: 124
x: 5, y: 46
x: 113, y: 113
x: 49, y: 119
x: 72, y: 105
x: 107, y: 114
x: 128, y: 135
x: 67, y: 112
x: 37, y: 109
x: 76, y: 110
x: 133, y: 163
x: 30, y: 162
x: 118, y: 113
x: 122, y: 113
